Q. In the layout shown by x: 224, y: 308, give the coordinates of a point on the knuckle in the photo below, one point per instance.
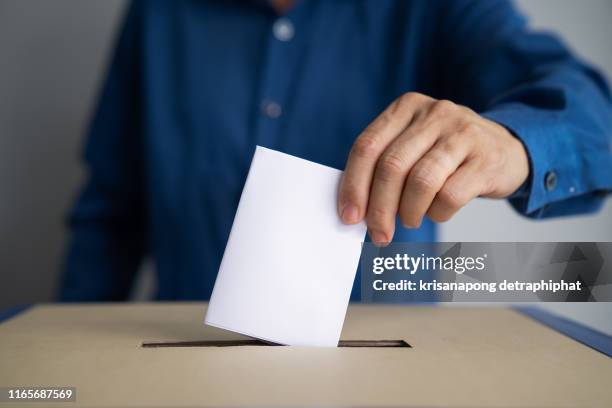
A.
x: 390, y: 167
x: 404, y: 101
x: 469, y: 129
x: 365, y: 146
x: 451, y: 198
x: 466, y: 110
x: 439, y: 159
x: 380, y: 123
x: 448, y: 147
x: 413, y: 96
x: 422, y: 179
x: 399, y: 105
x: 443, y: 107
x: 383, y: 120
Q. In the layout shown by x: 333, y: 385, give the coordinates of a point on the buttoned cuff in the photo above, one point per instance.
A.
x: 553, y: 174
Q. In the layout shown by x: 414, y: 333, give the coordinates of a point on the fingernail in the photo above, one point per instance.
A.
x: 378, y: 238
x: 412, y: 224
x: 350, y: 214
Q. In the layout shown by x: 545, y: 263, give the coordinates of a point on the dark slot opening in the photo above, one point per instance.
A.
x: 238, y: 343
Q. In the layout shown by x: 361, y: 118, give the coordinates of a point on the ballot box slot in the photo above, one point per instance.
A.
x: 240, y: 343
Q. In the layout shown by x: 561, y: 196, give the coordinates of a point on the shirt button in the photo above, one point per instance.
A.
x: 271, y: 109
x: 550, y: 180
x: 283, y: 29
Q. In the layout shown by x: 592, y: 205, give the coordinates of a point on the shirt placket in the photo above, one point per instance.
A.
x: 285, y: 41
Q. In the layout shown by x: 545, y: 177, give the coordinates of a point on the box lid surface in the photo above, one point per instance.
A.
x: 460, y: 357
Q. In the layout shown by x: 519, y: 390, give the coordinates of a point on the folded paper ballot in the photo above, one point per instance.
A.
x: 289, y: 263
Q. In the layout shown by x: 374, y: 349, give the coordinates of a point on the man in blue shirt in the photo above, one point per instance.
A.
x: 194, y: 85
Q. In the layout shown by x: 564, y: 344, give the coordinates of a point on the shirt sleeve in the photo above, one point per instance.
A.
x: 107, y: 242
x: 559, y: 107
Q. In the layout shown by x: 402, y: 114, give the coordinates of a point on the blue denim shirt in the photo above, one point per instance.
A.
x: 193, y: 86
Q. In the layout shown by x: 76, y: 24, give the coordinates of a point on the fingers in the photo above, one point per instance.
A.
x: 389, y: 177
x: 429, y: 175
x: 365, y: 153
x: 419, y: 157
x: 463, y: 186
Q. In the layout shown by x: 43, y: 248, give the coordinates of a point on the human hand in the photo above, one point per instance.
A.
x: 423, y: 156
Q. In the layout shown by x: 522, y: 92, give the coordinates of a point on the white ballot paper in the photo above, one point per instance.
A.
x: 289, y: 264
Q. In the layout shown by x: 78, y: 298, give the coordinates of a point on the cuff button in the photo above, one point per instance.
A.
x: 550, y: 180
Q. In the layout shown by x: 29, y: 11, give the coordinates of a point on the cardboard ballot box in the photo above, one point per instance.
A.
x: 458, y: 357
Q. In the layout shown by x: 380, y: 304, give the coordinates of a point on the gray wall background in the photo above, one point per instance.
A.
x: 52, y: 59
